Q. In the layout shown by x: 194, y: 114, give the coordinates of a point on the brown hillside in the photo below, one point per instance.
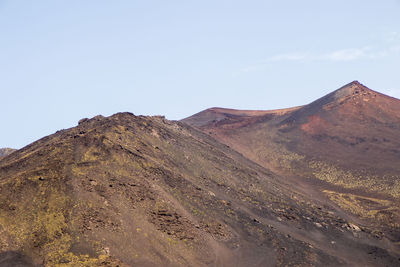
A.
x: 345, y: 145
x: 143, y: 191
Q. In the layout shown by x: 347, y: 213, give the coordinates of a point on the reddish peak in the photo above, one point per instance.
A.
x: 352, y: 89
x: 355, y: 83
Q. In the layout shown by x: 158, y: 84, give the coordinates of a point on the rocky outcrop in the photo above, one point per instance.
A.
x: 6, y: 151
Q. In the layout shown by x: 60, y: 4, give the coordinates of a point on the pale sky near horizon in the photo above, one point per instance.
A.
x: 65, y: 60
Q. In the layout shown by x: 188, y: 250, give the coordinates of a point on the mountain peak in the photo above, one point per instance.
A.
x: 351, y: 89
x: 353, y: 98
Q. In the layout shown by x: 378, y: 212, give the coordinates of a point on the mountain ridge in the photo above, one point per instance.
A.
x: 344, y: 144
x: 351, y: 90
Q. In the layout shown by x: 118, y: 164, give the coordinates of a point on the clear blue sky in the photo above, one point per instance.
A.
x: 65, y: 60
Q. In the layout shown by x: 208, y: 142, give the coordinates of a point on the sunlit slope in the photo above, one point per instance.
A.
x: 345, y: 144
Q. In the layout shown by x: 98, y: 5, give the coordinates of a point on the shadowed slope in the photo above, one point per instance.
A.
x: 127, y: 190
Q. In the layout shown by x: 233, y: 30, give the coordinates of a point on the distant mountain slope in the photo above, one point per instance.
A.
x: 145, y: 191
x: 6, y: 151
x: 346, y: 144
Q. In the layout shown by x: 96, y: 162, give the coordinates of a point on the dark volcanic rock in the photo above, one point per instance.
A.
x: 15, y: 259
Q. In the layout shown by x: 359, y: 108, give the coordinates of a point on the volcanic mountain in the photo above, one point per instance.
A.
x: 131, y: 190
x: 345, y: 146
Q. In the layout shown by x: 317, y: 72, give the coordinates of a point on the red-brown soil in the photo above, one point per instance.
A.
x: 343, y: 148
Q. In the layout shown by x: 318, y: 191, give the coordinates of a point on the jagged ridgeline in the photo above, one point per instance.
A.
x: 131, y: 190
